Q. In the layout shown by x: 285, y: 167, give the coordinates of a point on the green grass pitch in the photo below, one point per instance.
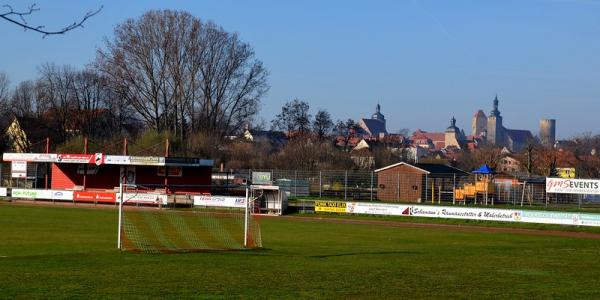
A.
x: 66, y: 252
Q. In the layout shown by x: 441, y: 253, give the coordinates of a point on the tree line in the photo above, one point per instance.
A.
x: 166, y: 71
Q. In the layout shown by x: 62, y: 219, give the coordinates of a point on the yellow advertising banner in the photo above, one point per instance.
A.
x: 330, y: 206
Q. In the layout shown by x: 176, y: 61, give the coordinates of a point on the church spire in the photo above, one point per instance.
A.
x: 495, y: 112
x: 377, y: 115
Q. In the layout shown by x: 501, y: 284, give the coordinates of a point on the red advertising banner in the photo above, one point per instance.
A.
x: 97, y: 158
x: 75, y: 158
x: 102, y: 197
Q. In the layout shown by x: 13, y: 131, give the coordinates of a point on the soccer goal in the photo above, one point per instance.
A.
x: 157, y: 223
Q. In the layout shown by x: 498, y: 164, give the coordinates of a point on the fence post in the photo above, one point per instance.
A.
x: 454, y: 189
x: 345, y: 184
x: 321, y: 183
x: 426, y: 188
x: 371, y: 189
x: 296, y: 183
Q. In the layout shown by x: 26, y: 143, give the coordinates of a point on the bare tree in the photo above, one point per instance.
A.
x: 181, y: 74
x: 25, y: 100
x: 18, y: 18
x: 346, y: 130
x: 294, y: 116
x: 4, y: 86
x: 56, y: 93
x: 322, y: 124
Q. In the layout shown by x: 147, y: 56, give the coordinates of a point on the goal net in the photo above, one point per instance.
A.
x: 158, y: 223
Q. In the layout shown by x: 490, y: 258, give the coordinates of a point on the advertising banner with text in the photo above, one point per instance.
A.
x: 330, y: 206
x: 31, y: 194
x: 146, y: 198
x: 376, y: 208
x: 100, y: 197
x: 466, y: 213
x: 572, y: 186
x: 32, y: 157
x: 220, y: 201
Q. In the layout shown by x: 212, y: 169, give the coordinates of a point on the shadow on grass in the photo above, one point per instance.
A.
x: 365, y: 253
x: 188, y: 251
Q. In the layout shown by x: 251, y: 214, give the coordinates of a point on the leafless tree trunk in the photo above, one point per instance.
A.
x: 56, y: 93
x: 183, y: 75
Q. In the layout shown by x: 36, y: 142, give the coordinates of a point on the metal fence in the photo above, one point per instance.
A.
x: 360, y: 185
x: 454, y: 189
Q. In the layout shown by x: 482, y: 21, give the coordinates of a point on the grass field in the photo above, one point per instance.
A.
x: 66, y: 252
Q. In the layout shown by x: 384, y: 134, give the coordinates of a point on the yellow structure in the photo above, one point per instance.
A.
x: 568, y: 173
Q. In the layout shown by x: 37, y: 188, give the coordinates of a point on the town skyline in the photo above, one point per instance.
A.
x: 423, y: 62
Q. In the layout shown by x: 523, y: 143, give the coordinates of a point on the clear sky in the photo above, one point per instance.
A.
x: 423, y: 61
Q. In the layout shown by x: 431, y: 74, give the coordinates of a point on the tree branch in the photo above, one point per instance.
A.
x: 18, y: 18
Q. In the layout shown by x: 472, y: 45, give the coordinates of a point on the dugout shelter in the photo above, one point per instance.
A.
x: 96, y: 177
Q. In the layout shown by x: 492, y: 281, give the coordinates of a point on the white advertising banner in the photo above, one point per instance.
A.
x: 469, y: 213
x: 572, y: 186
x: 3, y: 192
x: 220, y: 201
x: 147, y: 198
x: 34, y: 157
x: 62, y: 195
x: 487, y: 214
x: 31, y: 193
x: 134, y: 160
x: 116, y: 160
x: 376, y: 208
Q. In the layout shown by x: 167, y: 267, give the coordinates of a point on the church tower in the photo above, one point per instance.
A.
x: 495, y: 131
x: 377, y: 115
x: 453, y: 136
x: 479, y: 124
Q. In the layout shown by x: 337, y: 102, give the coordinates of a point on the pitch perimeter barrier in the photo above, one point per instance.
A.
x: 465, y: 213
x: 361, y: 185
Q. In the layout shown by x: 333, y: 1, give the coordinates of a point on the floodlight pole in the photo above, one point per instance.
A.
x: 246, y: 220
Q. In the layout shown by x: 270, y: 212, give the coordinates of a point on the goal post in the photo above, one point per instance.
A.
x: 155, y: 223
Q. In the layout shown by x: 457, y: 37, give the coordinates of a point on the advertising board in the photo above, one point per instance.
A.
x: 147, y: 160
x: 100, y: 197
x: 62, y: 195
x: 188, y: 162
x: 220, y: 201
x: 76, y: 158
x: 145, y: 198
x: 572, y: 186
x: 550, y: 217
x: 330, y: 206
x: 116, y: 160
x: 31, y: 194
x: 134, y: 160
x: 488, y: 214
x: 261, y: 178
x: 3, y: 192
x: 466, y: 213
x: 31, y: 157
x: 376, y: 208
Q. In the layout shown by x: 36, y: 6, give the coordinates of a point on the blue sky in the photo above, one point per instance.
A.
x: 423, y: 61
